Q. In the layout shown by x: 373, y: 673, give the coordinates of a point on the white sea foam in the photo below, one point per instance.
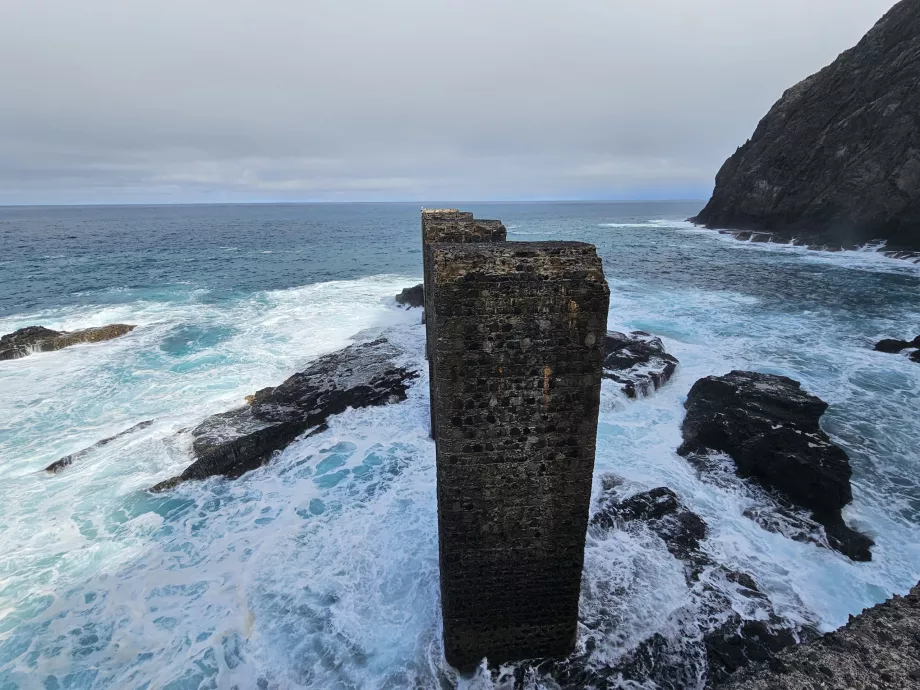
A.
x: 320, y: 569
x: 869, y: 257
x: 657, y: 223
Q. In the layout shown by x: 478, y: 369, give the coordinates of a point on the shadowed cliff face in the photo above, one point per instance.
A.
x: 837, y: 159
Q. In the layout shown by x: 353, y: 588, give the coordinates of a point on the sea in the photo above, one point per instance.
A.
x: 320, y: 569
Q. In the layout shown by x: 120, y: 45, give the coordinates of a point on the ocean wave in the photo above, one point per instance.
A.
x: 868, y: 257
x: 321, y: 568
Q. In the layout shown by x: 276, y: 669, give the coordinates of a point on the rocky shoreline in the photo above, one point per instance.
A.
x: 768, y: 428
x: 877, y: 650
x: 814, y: 245
x: 834, y: 164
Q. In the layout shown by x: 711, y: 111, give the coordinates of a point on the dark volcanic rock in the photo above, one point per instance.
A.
x: 915, y: 356
x: 638, y: 362
x: 661, y: 510
x: 770, y: 428
x: 235, y: 442
x: 837, y: 160
x: 729, y: 641
x: 32, y: 339
x: 879, y: 648
x: 893, y: 347
x: 68, y: 460
x: 412, y: 297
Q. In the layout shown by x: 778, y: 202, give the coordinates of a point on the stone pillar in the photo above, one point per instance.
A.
x: 449, y: 225
x: 517, y: 333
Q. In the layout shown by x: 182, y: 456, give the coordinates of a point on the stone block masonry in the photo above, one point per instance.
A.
x: 516, y: 333
x: 449, y: 225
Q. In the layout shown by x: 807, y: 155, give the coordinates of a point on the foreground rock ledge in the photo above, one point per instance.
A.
x: 836, y: 162
x: 235, y: 442
x: 32, y: 339
x: 880, y: 648
x: 770, y: 427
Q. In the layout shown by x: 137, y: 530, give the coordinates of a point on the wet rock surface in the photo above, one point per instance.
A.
x: 836, y: 162
x: 68, y: 460
x: 235, y: 442
x: 893, y: 346
x: 878, y: 649
x: 637, y: 362
x: 412, y: 297
x: 770, y: 427
x: 32, y: 339
x: 661, y: 510
x: 712, y: 641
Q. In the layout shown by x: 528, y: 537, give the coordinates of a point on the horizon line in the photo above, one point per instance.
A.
x: 318, y: 203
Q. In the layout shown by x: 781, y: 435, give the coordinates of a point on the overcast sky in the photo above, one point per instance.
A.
x: 124, y: 101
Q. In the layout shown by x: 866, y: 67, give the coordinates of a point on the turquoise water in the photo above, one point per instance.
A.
x: 320, y: 569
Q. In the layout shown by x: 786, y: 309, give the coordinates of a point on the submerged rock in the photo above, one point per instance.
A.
x: 412, y: 297
x: 836, y: 161
x: 770, y: 428
x: 235, y: 442
x: 879, y: 648
x: 32, y: 339
x: 638, y: 362
x: 68, y: 460
x: 893, y: 347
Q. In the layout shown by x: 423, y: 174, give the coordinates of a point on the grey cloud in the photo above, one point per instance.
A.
x: 126, y: 101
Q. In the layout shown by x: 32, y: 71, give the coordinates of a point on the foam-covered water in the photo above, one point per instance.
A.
x: 320, y: 569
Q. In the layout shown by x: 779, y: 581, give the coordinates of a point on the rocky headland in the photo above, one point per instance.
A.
x: 32, y: 339
x: 770, y: 427
x: 233, y: 443
x: 836, y: 161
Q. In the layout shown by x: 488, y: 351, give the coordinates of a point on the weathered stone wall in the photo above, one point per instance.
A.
x: 449, y: 225
x: 517, y: 335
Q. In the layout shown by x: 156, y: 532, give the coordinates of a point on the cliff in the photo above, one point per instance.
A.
x: 837, y: 160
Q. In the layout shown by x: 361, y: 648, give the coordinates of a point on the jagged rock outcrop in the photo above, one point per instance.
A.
x: 32, y: 339
x: 638, y: 362
x: 660, y: 510
x: 879, y: 649
x: 837, y: 160
x: 729, y: 641
x: 235, y: 442
x: 412, y: 297
x: 770, y: 427
x: 68, y: 460
x: 893, y: 346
